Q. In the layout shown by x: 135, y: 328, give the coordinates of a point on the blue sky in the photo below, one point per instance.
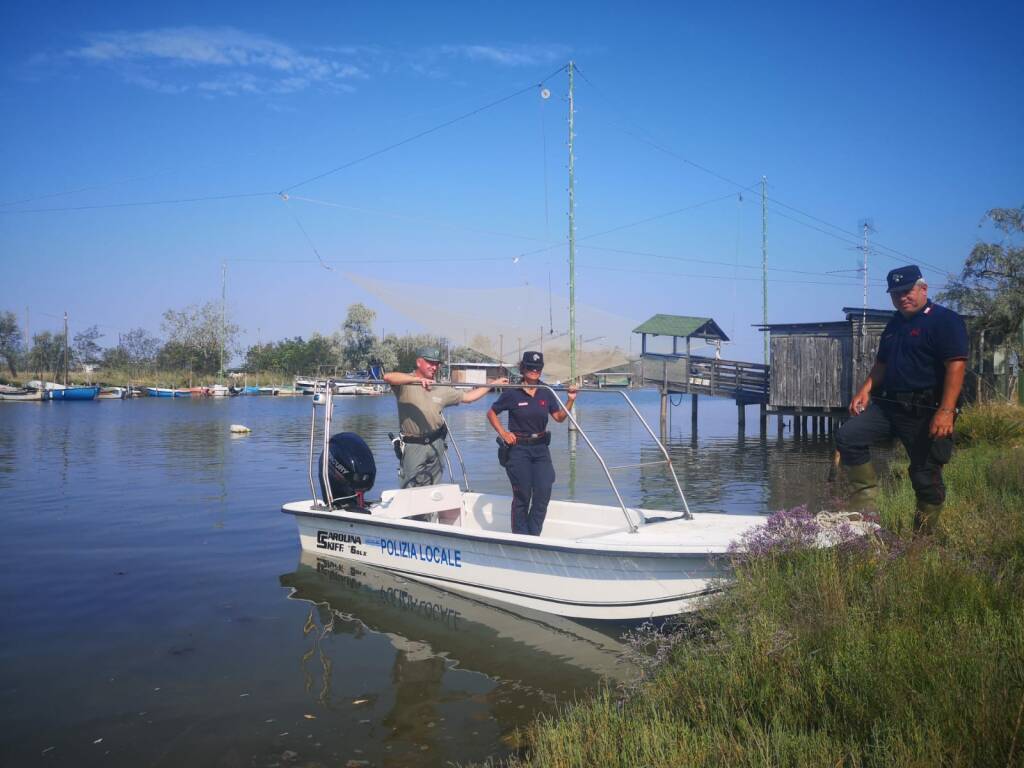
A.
x: 904, y: 115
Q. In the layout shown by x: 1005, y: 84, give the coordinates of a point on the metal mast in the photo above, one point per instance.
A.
x: 65, y: 348
x: 223, y: 322
x: 764, y: 262
x: 572, y: 237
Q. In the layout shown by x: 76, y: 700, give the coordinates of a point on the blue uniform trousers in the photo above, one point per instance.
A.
x: 910, y: 423
x: 532, y: 474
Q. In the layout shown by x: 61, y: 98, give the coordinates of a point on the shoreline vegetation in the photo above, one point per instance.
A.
x: 892, y: 652
x: 120, y: 377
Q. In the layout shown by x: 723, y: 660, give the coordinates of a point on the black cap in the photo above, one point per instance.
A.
x: 533, y: 360
x: 903, y: 278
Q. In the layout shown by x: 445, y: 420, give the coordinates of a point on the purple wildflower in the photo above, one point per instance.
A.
x: 785, y: 531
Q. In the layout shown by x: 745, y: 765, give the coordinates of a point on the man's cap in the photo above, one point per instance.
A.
x: 429, y: 353
x: 533, y: 359
x: 903, y: 278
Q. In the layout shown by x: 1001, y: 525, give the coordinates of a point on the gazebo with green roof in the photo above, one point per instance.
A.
x: 679, y: 327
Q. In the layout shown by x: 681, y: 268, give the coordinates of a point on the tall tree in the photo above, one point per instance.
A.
x: 47, y: 353
x: 991, y: 286
x: 85, y: 346
x: 195, y: 337
x: 134, y: 348
x: 357, y: 337
x: 11, y: 344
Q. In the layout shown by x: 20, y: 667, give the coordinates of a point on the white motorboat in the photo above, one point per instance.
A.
x: 592, y: 561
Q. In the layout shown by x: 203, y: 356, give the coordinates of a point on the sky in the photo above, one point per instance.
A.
x: 145, y: 149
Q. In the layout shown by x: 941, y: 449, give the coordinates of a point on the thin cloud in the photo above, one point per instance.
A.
x: 225, y: 61
x: 508, y: 55
x: 215, y: 61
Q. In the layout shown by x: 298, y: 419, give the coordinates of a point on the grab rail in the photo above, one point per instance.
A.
x: 687, y: 514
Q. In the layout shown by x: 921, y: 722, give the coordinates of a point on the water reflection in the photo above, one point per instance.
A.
x: 536, y: 650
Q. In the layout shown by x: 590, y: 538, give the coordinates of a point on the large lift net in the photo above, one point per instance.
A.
x: 501, y: 323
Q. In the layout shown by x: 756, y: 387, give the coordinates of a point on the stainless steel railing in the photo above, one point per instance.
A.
x: 324, y: 396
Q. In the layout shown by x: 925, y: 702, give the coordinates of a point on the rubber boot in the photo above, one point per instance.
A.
x: 863, y: 488
x: 926, y: 518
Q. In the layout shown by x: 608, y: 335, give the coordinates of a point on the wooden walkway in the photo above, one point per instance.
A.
x: 746, y: 383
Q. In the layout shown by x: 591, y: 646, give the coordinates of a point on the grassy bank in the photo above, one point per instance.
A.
x: 901, y: 653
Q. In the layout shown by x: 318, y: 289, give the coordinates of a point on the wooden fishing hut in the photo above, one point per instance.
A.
x: 678, y: 372
x: 817, y: 367
x: 476, y: 373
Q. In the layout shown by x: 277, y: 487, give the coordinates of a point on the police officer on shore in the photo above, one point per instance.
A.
x: 527, y: 457
x: 911, y: 393
x: 423, y: 430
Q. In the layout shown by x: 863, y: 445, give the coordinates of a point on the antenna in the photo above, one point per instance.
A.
x: 867, y: 227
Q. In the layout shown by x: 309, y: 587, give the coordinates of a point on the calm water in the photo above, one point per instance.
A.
x: 157, y: 610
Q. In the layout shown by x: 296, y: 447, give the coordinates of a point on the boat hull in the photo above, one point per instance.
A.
x: 73, y: 393
x: 603, y: 577
x: 14, y: 394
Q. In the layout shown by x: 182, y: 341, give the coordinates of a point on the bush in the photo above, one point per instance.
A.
x: 995, y: 424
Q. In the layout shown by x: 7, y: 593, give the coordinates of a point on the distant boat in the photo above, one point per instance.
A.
x: 267, y: 390
x: 250, y: 390
x: 167, y: 392
x: 21, y: 393
x: 218, y: 390
x: 73, y: 393
x: 200, y: 391
x: 112, y: 393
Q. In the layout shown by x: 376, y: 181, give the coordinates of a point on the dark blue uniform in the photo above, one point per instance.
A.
x: 914, y: 351
x: 529, y: 466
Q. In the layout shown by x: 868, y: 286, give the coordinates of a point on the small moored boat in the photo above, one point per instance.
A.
x: 112, y: 393
x: 73, y: 393
x: 21, y: 394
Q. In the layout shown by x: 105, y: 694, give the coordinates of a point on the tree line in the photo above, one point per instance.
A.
x: 198, y: 338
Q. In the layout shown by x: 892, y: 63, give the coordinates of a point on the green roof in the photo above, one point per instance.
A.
x: 682, y: 326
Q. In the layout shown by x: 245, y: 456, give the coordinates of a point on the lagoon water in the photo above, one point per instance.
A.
x: 157, y: 611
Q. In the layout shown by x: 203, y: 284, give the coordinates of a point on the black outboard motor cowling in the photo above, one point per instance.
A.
x: 351, y: 470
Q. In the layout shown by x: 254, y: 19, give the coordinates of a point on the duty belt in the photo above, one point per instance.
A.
x: 911, y: 396
x: 428, y: 438
x: 533, y: 439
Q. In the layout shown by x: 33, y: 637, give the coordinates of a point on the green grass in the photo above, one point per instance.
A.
x: 907, y: 653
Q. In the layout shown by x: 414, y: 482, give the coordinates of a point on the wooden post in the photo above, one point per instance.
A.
x: 780, y: 424
x: 693, y: 414
x: 686, y: 366
x: 814, y: 425
x: 763, y: 416
x: 741, y: 415
x: 664, y: 397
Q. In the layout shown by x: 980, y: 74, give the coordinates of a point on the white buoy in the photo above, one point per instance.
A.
x: 240, y: 429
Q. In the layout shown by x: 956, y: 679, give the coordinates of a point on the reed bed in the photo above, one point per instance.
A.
x: 893, y: 652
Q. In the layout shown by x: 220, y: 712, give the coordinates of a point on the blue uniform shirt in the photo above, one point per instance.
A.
x: 526, y: 415
x: 915, y: 350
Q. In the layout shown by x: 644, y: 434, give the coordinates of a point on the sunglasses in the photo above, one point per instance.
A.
x: 533, y: 367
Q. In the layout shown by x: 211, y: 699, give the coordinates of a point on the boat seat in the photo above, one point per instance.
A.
x: 429, y: 503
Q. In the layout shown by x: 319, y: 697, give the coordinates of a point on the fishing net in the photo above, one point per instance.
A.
x: 502, y: 323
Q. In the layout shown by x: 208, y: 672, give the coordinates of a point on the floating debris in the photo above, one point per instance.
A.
x: 240, y: 429
x: 310, y: 717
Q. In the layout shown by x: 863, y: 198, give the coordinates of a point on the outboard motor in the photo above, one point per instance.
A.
x: 351, y: 470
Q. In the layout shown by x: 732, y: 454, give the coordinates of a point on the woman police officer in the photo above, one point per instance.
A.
x: 526, y: 440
